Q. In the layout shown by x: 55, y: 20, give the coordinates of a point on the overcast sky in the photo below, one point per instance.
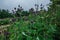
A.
x: 26, y: 4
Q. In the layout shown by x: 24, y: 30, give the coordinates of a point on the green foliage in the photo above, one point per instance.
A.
x: 25, y: 13
x: 35, y: 28
x: 5, y: 14
x: 41, y: 26
x: 4, y: 21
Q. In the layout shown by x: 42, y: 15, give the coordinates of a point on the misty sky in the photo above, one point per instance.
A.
x: 26, y: 4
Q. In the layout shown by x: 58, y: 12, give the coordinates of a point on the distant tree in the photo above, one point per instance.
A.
x: 25, y: 13
x: 5, y: 14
